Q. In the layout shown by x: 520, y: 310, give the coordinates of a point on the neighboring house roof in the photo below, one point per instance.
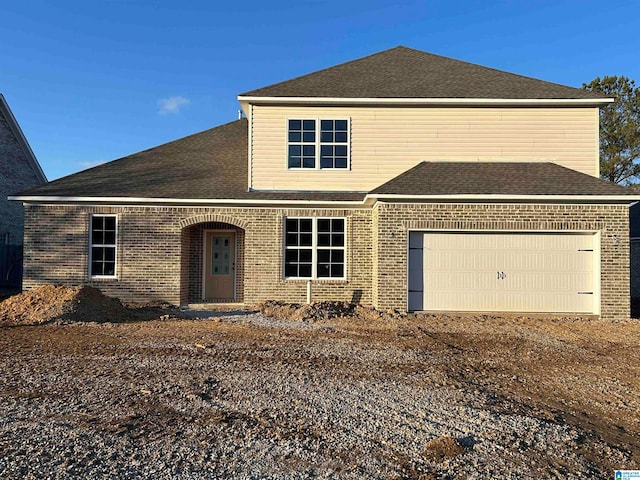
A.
x: 21, y: 139
x: 497, y: 178
x: 208, y: 165
x: 403, y: 72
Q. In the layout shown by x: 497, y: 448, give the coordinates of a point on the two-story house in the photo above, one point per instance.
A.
x: 402, y: 180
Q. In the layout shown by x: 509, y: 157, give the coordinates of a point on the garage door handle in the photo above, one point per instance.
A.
x: 585, y: 293
x: 502, y: 275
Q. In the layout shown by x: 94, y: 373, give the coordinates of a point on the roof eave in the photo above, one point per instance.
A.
x: 208, y: 202
x: 373, y: 198
x: 260, y: 100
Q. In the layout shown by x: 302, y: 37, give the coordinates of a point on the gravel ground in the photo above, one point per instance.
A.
x: 242, y: 395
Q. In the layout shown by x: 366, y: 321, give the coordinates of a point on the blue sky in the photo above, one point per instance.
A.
x: 91, y: 81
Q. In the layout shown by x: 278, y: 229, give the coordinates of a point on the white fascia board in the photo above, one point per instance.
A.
x: 428, y: 101
x: 491, y: 197
x: 177, y: 201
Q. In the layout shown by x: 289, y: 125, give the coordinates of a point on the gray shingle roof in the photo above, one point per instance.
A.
x: 208, y: 165
x: 403, y: 72
x: 497, y: 178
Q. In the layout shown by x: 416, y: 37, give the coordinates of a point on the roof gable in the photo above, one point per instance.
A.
x: 403, y: 72
x: 16, y: 131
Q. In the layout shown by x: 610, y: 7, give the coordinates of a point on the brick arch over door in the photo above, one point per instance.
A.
x: 213, y: 217
x: 192, y: 255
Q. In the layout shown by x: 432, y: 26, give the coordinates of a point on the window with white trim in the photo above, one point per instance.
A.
x: 314, y: 248
x: 318, y: 143
x: 102, y: 246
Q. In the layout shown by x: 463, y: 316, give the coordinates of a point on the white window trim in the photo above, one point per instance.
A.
x: 314, y: 248
x: 91, y: 245
x: 317, y: 144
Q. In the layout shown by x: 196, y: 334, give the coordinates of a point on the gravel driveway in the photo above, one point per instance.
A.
x: 243, y: 395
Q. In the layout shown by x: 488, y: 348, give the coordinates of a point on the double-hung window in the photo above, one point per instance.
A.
x: 102, y: 246
x: 318, y: 143
x: 314, y: 248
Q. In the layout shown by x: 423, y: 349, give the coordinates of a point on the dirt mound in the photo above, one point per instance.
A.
x: 56, y: 303
x: 317, y: 311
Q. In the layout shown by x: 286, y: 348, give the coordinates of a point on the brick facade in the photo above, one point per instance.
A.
x: 394, y: 220
x: 159, y: 254
x: 160, y: 248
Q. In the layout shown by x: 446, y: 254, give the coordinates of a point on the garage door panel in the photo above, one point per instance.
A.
x: 523, y: 272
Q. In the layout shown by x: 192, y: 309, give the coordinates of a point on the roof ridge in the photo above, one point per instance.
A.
x: 328, y: 68
x: 404, y: 72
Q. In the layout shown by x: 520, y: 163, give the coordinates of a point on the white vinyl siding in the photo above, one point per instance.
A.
x: 386, y: 141
x: 503, y: 272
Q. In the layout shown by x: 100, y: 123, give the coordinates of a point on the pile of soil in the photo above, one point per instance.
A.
x: 56, y: 303
x: 318, y: 311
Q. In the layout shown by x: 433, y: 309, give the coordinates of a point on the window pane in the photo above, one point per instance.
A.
x: 295, y: 136
x: 326, y: 162
x: 326, y: 137
x: 110, y: 238
x: 337, y: 224
x: 341, y: 150
x: 337, y: 270
x: 305, y: 240
x: 291, y: 225
x: 305, y: 271
x: 326, y: 125
x: 97, y: 223
x: 326, y: 150
x: 109, y: 268
x: 306, y: 225
x: 341, y: 162
x: 109, y: 223
x: 305, y: 255
x: 295, y: 125
x: 323, y: 270
x: 292, y: 240
x: 295, y: 162
x: 291, y: 270
x: 341, y: 125
x: 324, y: 225
x: 110, y: 254
x: 324, y: 256
x: 309, y: 150
x: 291, y: 256
x: 337, y: 240
x: 308, y: 162
x: 337, y: 256
x: 309, y: 137
x: 324, y: 240
x: 309, y: 125
x: 97, y: 238
x: 96, y: 268
x: 295, y: 150
x: 97, y: 254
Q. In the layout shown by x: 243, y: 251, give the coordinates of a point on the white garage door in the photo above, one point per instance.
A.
x: 503, y: 272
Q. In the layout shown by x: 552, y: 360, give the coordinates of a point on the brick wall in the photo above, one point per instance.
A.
x: 160, y: 252
x: 15, y: 175
x: 390, y: 286
x: 160, y: 248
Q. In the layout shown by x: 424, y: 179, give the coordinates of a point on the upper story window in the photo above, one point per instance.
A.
x: 318, y: 143
x: 102, y: 246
